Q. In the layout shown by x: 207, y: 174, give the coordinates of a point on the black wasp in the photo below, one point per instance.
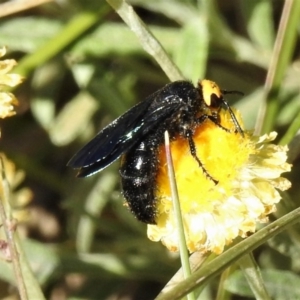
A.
x: 178, y: 107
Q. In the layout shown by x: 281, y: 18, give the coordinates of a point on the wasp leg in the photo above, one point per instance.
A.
x: 189, y: 137
x: 215, y: 119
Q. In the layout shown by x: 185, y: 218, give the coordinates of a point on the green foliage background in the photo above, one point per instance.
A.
x: 84, y: 67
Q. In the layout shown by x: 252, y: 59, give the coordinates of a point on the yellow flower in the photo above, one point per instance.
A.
x: 7, y: 100
x: 18, y: 197
x: 247, y: 169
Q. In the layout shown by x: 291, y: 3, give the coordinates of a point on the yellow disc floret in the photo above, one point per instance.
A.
x: 215, y: 214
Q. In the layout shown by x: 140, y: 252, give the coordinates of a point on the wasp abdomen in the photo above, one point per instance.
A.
x: 138, y: 177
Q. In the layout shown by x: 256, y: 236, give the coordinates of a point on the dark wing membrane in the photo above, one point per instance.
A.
x: 123, y: 133
x: 109, y: 138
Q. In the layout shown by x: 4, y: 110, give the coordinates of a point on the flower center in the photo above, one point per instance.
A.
x: 222, y: 154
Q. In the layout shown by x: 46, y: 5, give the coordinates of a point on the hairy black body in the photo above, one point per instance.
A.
x: 179, y: 107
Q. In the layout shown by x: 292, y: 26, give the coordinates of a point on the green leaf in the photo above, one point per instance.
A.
x: 259, y: 22
x: 192, y: 52
x: 28, y: 33
x: 73, y: 119
x: 42, y: 259
x: 280, y: 284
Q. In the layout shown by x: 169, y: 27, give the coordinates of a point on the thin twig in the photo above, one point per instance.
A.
x: 184, y: 256
x: 146, y: 38
x: 12, y: 7
x: 282, y: 53
x: 7, y: 223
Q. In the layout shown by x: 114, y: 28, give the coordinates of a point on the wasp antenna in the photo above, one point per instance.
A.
x: 235, y: 121
x: 224, y: 92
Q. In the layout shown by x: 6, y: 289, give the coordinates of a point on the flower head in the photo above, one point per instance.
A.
x: 247, y: 169
x: 18, y: 197
x: 7, y: 100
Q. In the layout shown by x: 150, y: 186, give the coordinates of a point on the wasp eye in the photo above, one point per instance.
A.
x: 215, y: 101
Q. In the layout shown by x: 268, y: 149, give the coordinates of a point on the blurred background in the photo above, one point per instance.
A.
x: 84, y: 67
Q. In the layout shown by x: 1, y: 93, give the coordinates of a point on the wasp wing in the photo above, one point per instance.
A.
x: 123, y: 133
x: 109, y: 138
